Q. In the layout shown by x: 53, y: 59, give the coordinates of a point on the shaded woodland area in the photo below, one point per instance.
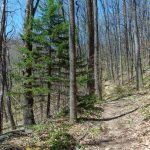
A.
x: 70, y: 59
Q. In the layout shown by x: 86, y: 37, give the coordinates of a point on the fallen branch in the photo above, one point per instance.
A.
x: 12, y: 134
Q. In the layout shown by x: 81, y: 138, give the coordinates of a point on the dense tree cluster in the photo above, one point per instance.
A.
x: 67, y: 49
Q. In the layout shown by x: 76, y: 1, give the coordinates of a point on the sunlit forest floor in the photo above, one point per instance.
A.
x: 120, y: 122
x: 125, y: 124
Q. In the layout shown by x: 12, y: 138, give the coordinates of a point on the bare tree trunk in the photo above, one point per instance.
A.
x: 96, y: 53
x: 90, y: 45
x: 79, y: 52
x: 131, y: 40
x: 41, y: 108
x: 49, y: 88
x: 5, y: 114
x: 126, y: 39
x: 2, y: 32
x: 7, y: 80
x: 72, y: 56
x: 108, y: 40
x: 59, y: 90
x: 137, y: 49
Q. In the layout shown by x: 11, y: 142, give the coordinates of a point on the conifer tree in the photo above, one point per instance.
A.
x: 51, y: 36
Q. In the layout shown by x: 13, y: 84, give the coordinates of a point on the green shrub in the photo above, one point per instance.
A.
x: 63, y: 112
x: 82, y: 79
x: 146, y: 113
x: 62, y: 141
x: 55, y: 136
x: 95, y: 131
x: 119, y: 90
x: 86, y: 101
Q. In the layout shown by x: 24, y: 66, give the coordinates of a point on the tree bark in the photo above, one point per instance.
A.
x: 90, y: 45
x: 98, y: 93
x: 2, y: 32
x: 72, y: 57
x: 126, y: 39
x: 7, y: 82
x: 138, y: 66
x: 49, y: 87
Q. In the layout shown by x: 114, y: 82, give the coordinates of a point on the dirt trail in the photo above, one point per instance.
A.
x: 119, y: 121
x: 118, y: 130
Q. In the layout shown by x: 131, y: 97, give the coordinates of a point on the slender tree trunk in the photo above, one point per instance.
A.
x: 90, y: 45
x: 2, y: 32
x: 126, y: 39
x: 131, y: 40
x: 59, y: 90
x: 79, y: 52
x: 119, y: 42
x: 49, y: 87
x: 96, y: 53
x: 108, y: 40
x: 62, y: 12
x: 41, y: 108
x: 10, y: 113
x: 137, y: 49
x: 7, y: 80
x: 72, y: 57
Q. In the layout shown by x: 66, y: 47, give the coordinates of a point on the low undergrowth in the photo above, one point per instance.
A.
x: 145, y: 112
x: 46, y: 135
x: 55, y: 136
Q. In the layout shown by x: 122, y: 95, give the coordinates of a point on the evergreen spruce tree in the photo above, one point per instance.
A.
x: 49, y: 56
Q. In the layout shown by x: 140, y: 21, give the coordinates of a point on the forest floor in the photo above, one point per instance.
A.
x: 121, y: 122
x: 125, y: 123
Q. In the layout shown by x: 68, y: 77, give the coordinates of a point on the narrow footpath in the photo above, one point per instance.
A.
x: 122, y: 126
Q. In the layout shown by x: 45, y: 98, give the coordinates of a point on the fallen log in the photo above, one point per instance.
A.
x: 13, y: 134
